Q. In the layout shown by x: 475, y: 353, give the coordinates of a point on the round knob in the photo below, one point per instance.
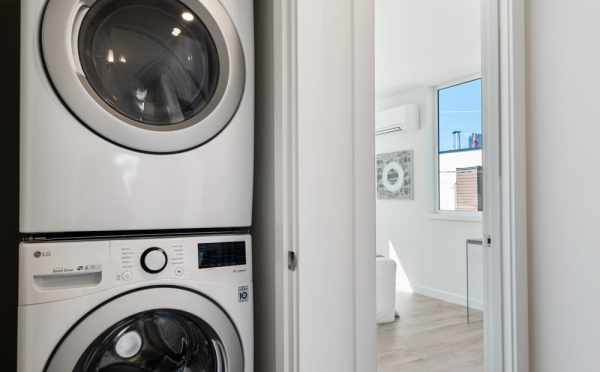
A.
x: 154, y: 260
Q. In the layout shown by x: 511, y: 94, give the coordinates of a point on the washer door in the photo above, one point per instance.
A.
x: 151, y: 75
x: 159, y: 329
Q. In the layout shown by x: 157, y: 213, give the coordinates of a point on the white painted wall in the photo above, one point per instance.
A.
x: 563, y: 189
x: 431, y: 251
x: 423, y: 42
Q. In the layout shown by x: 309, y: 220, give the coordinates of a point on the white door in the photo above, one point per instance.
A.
x: 335, y: 187
x: 317, y: 115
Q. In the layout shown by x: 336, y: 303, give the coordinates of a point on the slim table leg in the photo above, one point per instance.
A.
x: 467, y: 259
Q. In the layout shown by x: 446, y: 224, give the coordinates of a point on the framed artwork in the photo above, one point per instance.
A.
x: 395, y: 175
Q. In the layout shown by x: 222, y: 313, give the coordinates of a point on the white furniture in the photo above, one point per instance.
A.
x: 179, y: 303
x: 385, y: 272
x: 136, y: 115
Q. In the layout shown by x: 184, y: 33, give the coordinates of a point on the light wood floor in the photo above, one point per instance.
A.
x: 431, y: 336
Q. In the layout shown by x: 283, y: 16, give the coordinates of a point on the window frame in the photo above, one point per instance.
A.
x: 437, y: 213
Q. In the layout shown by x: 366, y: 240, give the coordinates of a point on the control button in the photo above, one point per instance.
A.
x: 179, y: 271
x: 153, y: 260
x: 126, y: 276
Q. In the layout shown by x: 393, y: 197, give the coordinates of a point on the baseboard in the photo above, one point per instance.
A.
x: 453, y: 298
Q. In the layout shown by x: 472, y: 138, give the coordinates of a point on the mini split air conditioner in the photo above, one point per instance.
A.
x: 401, y: 118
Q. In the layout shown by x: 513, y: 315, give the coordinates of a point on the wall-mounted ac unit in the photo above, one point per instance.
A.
x: 401, y: 118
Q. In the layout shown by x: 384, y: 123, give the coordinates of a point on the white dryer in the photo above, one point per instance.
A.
x: 136, y: 114
x: 162, y: 305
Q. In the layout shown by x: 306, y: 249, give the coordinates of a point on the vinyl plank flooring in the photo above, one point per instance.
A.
x: 431, y: 336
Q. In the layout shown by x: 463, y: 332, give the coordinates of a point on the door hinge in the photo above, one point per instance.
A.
x: 292, y: 260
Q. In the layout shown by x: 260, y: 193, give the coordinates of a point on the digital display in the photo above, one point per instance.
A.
x: 221, y: 254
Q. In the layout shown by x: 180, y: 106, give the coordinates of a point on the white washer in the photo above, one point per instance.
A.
x: 136, y: 114
x: 171, y: 304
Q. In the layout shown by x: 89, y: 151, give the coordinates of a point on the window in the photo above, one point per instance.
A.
x: 459, y: 147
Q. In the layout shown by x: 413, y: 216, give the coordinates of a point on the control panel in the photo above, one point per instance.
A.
x: 174, y: 258
x: 53, y: 270
x: 221, y: 254
x: 140, y: 259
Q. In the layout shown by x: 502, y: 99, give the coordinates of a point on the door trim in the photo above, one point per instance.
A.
x: 365, y: 327
x: 505, y: 222
x: 513, y: 156
x: 286, y: 168
x: 286, y: 112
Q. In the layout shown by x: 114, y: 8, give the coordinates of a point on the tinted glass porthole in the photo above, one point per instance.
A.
x: 152, y: 61
x: 158, y: 341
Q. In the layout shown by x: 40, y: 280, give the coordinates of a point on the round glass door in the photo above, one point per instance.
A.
x: 154, y: 329
x: 153, y: 61
x: 157, y: 76
x: 157, y: 340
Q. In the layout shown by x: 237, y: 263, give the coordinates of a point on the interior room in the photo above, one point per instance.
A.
x: 299, y: 186
x: 428, y: 143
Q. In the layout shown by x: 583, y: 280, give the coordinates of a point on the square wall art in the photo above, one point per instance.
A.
x: 395, y: 175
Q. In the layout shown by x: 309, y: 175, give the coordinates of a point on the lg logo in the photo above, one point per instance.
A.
x: 38, y: 254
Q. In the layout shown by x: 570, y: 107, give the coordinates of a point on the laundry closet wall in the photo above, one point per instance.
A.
x: 267, y: 261
x: 563, y: 182
x: 9, y: 203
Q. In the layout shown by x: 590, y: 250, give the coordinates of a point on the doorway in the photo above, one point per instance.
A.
x: 315, y: 96
x: 429, y: 143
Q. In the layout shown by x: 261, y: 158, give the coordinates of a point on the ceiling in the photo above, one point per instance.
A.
x: 425, y: 42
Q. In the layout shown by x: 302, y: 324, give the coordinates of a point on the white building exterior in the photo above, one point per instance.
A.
x: 449, y: 162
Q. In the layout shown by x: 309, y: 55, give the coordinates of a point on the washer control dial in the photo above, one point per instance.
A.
x: 154, y: 260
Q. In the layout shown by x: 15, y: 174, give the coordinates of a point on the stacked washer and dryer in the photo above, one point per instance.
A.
x: 136, y: 186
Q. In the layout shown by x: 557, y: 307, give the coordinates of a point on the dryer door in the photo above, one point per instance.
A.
x: 160, y: 329
x: 151, y: 75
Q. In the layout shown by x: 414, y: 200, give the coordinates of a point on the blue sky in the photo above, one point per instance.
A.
x: 459, y: 109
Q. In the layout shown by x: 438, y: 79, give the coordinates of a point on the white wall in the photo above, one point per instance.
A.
x: 431, y: 251
x: 563, y: 191
x: 422, y: 42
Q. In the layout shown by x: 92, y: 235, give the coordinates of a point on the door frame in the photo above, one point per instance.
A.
x: 286, y: 150
x: 505, y: 222
x: 505, y: 218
